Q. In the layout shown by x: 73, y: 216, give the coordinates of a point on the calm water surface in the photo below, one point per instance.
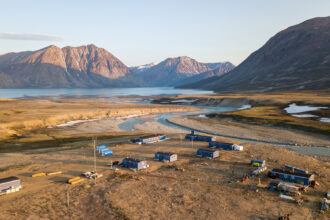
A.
x: 58, y: 93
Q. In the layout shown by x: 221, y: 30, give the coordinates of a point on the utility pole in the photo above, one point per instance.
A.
x: 95, y: 160
x: 68, y: 202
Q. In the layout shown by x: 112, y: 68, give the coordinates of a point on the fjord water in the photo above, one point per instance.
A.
x: 106, y: 92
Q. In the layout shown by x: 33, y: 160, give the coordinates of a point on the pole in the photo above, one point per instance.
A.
x: 95, y: 160
x: 68, y: 202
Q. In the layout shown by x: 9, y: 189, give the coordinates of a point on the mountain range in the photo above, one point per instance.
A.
x: 93, y: 67
x: 295, y: 59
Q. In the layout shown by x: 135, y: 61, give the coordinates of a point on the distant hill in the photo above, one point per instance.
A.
x: 68, y: 67
x: 295, y: 59
x: 93, y: 67
x: 179, y: 70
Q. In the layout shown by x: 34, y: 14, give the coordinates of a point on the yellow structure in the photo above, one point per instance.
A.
x: 74, y: 179
x: 39, y: 174
x: 54, y: 173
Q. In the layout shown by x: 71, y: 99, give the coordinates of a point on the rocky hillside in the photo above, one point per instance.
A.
x: 93, y: 67
x: 295, y: 59
x: 176, y: 71
x: 219, y: 69
x: 68, y: 67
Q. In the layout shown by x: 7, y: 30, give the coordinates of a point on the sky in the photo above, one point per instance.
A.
x: 145, y: 31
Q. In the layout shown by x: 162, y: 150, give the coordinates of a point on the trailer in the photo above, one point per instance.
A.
x: 301, y: 178
x: 205, y: 152
x: 166, y: 156
x: 134, y: 163
x: 10, y: 184
x: 149, y: 139
x: 225, y: 146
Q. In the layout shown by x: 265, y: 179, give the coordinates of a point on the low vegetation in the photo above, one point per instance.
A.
x: 275, y: 116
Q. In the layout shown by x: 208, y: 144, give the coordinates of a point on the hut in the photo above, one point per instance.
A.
x: 104, y: 150
x: 204, y: 152
x: 195, y: 137
x: 258, y: 163
x: 166, y: 156
x: 301, y: 178
x: 134, y: 163
x: 225, y: 146
x: 149, y: 139
x: 10, y: 184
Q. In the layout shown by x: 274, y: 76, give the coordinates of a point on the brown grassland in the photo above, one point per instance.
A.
x: 190, y: 188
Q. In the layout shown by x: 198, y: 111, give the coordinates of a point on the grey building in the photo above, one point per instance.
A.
x: 9, y: 183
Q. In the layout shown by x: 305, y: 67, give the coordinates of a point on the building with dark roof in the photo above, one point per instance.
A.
x: 301, y: 178
x: 166, y: 156
x: 149, y: 139
x: 10, y: 184
x: 134, y: 163
x: 209, y: 153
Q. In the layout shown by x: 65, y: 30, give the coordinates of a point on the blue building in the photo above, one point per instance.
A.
x: 300, y: 178
x: 104, y: 150
x: 149, y: 139
x: 295, y: 169
x: 166, y: 156
x: 133, y: 163
x: 204, y: 152
x: 225, y: 146
x: 194, y: 137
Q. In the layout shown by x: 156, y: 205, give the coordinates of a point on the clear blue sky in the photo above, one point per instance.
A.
x: 144, y: 31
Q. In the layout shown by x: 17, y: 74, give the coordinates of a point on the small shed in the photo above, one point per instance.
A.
x: 104, y: 150
x: 204, y: 152
x: 9, y: 184
x: 134, y: 163
x: 166, y: 156
x: 258, y: 163
x: 105, y: 153
x: 301, y: 178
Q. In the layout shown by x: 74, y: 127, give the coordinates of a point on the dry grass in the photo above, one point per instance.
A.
x: 190, y: 188
x: 274, y: 98
x: 20, y: 116
x: 274, y: 115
